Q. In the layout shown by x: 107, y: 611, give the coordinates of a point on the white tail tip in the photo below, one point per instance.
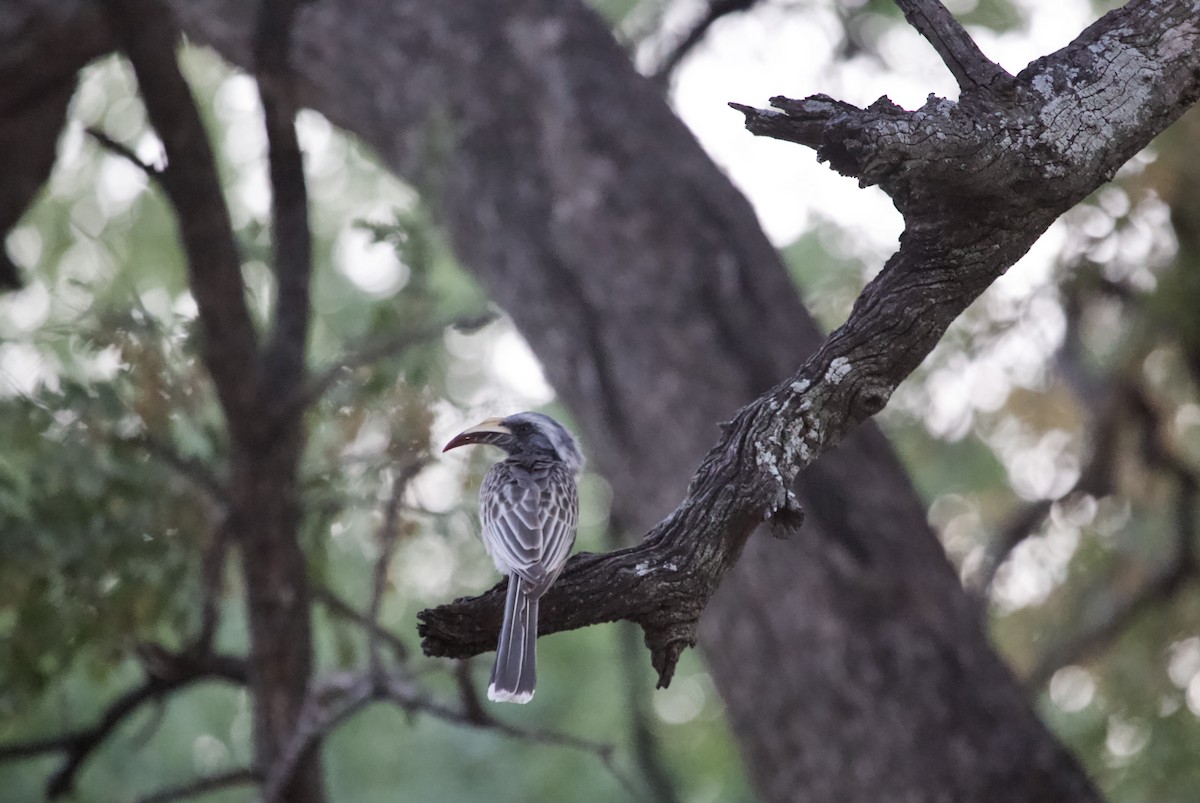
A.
x: 508, y: 696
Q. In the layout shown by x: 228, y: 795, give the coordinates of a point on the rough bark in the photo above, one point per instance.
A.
x: 43, y: 50
x: 850, y: 660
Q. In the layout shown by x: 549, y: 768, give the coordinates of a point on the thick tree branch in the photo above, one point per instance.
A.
x: 291, y: 239
x: 190, y: 180
x: 977, y: 186
x: 252, y: 386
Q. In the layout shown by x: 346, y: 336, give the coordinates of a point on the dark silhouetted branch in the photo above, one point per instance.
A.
x: 339, y: 696
x: 199, y: 475
x: 202, y: 786
x: 166, y: 672
x: 388, y: 535
x: 191, y: 182
x: 1110, y: 618
x: 291, y: 239
x: 33, y: 109
x: 344, y: 610
x: 1096, y: 479
x: 1113, y: 618
x: 123, y: 151
x: 369, y: 353
x: 716, y: 10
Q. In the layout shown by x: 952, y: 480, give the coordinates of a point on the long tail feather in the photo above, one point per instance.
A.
x: 514, y: 673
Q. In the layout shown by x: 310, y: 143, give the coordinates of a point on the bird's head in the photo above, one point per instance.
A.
x: 524, y: 435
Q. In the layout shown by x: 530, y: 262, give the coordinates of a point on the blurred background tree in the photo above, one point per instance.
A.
x: 1052, y: 435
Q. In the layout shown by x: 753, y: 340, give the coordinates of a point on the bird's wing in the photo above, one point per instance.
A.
x: 529, y: 519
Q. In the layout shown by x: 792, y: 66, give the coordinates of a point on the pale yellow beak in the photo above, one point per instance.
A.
x: 490, y: 430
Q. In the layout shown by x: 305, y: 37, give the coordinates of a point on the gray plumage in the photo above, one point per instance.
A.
x: 529, y: 509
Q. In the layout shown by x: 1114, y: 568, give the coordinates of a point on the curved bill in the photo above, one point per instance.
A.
x: 490, y: 430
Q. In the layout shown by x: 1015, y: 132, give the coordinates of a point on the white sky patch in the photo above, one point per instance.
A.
x: 516, y: 367
x: 25, y: 310
x: 24, y: 244
x: 372, y: 266
x: 1126, y: 738
x: 1035, y: 568
x: 23, y: 370
x: 118, y: 184
x: 428, y: 567
x: 437, y: 488
x: 1184, y: 663
x: 680, y: 702
x: 237, y: 104
x: 1072, y: 688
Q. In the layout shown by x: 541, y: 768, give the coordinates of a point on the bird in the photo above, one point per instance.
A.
x: 529, y: 510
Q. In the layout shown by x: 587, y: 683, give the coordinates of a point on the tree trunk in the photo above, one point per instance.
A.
x: 264, y: 521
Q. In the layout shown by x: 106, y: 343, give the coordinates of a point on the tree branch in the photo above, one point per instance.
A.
x: 976, y: 194
x: 716, y: 10
x: 123, y: 151
x: 33, y: 110
x: 971, y: 69
x: 368, y: 353
x: 291, y: 239
x: 344, y: 610
x: 190, y: 180
x: 341, y: 695
x: 166, y: 673
x: 1115, y: 617
x: 389, y: 533
x: 330, y: 703
x: 212, y: 575
x: 204, y: 785
x: 1096, y: 479
x: 198, y: 474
